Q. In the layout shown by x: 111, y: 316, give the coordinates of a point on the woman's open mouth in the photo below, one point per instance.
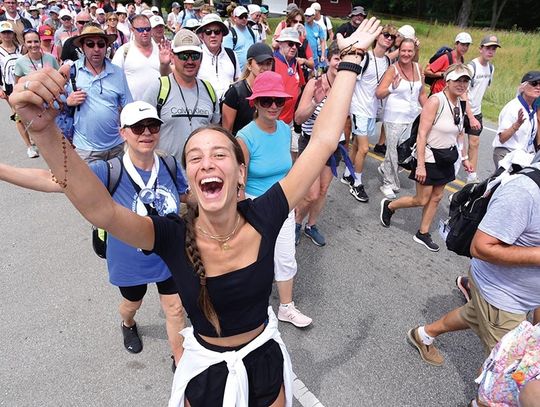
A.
x: 211, y: 187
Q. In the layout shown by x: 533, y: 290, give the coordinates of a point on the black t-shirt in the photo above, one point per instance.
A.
x: 240, y: 297
x: 346, y: 29
x: 235, y: 98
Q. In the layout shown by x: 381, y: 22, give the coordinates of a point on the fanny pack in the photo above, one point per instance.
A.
x: 445, y: 156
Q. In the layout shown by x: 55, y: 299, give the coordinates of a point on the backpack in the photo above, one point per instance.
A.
x: 468, y: 207
x: 441, y: 51
x: 232, y: 57
x: 406, y: 150
x: 512, y: 363
x: 66, y: 116
x: 115, y: 168
x: 235, y: 35
x: 366, y: 63
x: 472, y: 64
x: 165, y: 90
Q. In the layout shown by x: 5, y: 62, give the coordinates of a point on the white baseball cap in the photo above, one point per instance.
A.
x: 464, y: 38
x: 189, y: 1
x: 154, y: 9
x: 100, y: 11
x: 316, y: 6
x: 156, y: 20
x: 254, y: 8
x: 64, y: 13
x: 134, y: 112
x: 121, y: 9
x: 458, y: 72
x: 407, y: 31
x: 186, y: 40
x: 238, y: 11
x: 309, y: 12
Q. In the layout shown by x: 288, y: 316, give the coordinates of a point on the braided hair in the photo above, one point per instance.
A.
x: 192, y: 250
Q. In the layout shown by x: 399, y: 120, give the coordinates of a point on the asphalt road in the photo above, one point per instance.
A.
x: 60, y: 340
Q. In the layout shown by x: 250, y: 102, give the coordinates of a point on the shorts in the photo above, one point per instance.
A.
x: 467, y: 125
x: 136, y: 293
x: 436, y: 174
x: 264, y: 367
x: 91, y: 156
x: 303, y: 142
x: 362, y: 126
x: 486, y: 320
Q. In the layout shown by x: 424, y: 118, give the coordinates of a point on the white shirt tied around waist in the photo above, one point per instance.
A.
x: 196, y: 359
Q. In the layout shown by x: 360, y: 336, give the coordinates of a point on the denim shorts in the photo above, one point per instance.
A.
x: 362, y: 126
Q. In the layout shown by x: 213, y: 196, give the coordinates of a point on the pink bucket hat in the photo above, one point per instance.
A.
x: 270, y: 84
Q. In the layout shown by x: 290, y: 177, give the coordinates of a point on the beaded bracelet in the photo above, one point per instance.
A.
x: 63, y: 184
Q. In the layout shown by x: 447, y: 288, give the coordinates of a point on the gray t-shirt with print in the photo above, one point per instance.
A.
x: 182, y: 115
x: 513, y: 217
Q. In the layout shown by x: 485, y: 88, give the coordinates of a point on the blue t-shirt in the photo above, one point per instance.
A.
x: 244, y: 41
x: 269, y: 156
x: 513, y: 217
x: 314, y: 34
x: 127, y: 265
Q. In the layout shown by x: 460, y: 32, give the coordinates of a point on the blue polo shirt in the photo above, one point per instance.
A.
x: 244, y: 41
x: 97, y: 119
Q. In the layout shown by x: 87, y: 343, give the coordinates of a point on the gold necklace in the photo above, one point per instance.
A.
x: 223, y: 239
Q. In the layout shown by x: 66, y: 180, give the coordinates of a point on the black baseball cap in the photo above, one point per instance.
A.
x: 531, y: 76
x: 260, y: 52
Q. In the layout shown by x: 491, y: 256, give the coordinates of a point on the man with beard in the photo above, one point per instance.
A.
x: 183, y: 102
x: 97, y: 113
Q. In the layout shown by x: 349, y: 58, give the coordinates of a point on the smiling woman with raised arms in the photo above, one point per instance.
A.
x: 221, y: 255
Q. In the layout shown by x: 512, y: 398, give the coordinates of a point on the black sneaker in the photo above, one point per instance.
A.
x: 425, y: 239
x: 132, y: 341
x: 347, y: 180
x: 380, y: 149
x: 386, y: 212
x: 359, y: 193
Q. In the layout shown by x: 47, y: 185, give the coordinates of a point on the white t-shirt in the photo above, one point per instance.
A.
x: 325, y: 27
x: 479, y: 85
x: 139, y: 69
x: 218, y: 70
x: 523, y: 139
x: 364, y: 102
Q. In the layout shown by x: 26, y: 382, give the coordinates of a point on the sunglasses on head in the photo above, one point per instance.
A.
x: 390, y: 36
x: 534, y: 84
x: 92, y: 44
x: 139, y: 128
x: 142, y: 29
x: 215, y: 31
x: 267, y: 101
x: 184, y: 56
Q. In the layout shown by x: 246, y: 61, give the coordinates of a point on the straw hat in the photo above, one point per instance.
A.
x: 90, y: 31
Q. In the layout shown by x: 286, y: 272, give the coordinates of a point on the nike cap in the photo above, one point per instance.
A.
x: 134, y: 112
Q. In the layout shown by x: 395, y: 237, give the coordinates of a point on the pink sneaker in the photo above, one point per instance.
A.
x: 293, y: 315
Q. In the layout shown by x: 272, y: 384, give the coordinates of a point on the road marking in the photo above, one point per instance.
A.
x: 303, y: 395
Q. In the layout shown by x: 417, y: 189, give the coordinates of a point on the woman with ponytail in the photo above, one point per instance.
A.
x: 221, y: 255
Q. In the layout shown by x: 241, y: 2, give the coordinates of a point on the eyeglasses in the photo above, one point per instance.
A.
x: 142, y: 29
x: 82, y: 22
x: 242, y: 16
x: 66, y: 18
x: 92, y: 44
x: 292, y: 44
x: 534, y: 84
x: 267, y: 101
x: 215, y: 31
x: 184, y: 56
x: 389, y: 36
x: 139, y: 128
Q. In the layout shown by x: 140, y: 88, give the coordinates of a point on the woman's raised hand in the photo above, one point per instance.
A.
x: 363, y: 37
x: 38, y: 96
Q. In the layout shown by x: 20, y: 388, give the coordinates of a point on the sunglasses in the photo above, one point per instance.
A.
x: 389, y: 36
x: 112, y: 19
x: 242, y: 16
x: 66, y: 18
x: 534, y: 84
x: 299, y: 21
x: 457, y: 116
x: 292, y: 44
x: 139, y: 128
x: 92, y: 44
x: 142, y: 29
x: 184, y: 56
x: 267, y: 101
x: 82, y: 22
x: 215, y: 31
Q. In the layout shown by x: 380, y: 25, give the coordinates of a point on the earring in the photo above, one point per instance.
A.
x: 239, y: 190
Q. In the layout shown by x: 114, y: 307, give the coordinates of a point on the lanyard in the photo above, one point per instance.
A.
x: 531, y: 114
x: 190, y: 116
x: 146, y: 192
x: 290, y: 70
x: 461, y: 115
x: 34, y: 65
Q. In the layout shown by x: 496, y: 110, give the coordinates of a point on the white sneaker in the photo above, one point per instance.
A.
x: 293, y: 315
x: 32, y: 152
x: 388, y: 192
x: 472, y: 179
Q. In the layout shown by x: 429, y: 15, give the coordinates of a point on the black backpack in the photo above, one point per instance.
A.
x: 441, y: 51
x: 115, y: 168
x: 468, y: 207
